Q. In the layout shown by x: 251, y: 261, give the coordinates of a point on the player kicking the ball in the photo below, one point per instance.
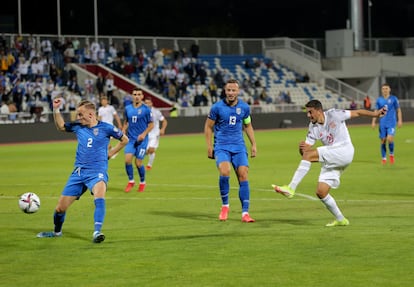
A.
x: 335, y: 155
x: 91, y: 164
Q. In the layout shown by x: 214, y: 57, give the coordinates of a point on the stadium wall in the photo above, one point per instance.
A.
x: 39, y: 132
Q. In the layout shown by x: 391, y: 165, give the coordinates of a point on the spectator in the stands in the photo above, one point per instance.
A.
x: 213, y: 91
x: 185, y: 99
x: 69, y: 54
x: 6, y: 60
x: 46, y: 47
x: 94, y: 48
x: 36, y: 68
x: 100, y: 83
x: 264, y: 97
x: 50, y: 87
x: 181, y: 82
x: 353, y: 105
x: 88, y: 85
x: 73, y: 85
x: 23, y: 68
x: 87, y: 57
x: 101, y: 53
x: 172, y: 91
x: 37, y: 88
x: 126, y: 48
x: 109, y: 86
x: 288, y: 99
x: 158, y: 58
x: 112, y: 51
x: 194, y: 49
x: 54, y: 73
x: 248, y: 64
x: 76, y: 47
x: 199, y: 98
x: 201, y: 73
x: 4, y: 109
x: 18, y: 94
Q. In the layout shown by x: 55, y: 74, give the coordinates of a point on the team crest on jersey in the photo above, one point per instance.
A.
x: 115, y: 129
x: 139, y: 112
x: 96, y: 131
x: 238, y: 111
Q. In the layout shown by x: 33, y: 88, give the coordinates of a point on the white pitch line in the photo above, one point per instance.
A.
x: 189, y: 186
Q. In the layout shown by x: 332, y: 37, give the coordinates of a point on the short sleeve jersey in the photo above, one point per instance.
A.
x: 390, y: 118
x: 107, y: 114
x: 333, y: 131
x: 92, y: 150
x: 138, y: 120
x: 228, y: 127
x: 157, y: 116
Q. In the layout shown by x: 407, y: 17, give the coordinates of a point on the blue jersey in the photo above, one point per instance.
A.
x: 92, y: 150
x: 390, y: 119
x: 228, y: 127
x: 138, y: 120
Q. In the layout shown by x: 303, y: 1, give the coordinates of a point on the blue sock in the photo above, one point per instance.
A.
x: 99, y: 214
x: 58, y: 219
x: 129, y: 171
x: 141, y: 172
x: 244, y: 195
x: 224, y: 189
x: 391, y: 147
x: 383, y: 150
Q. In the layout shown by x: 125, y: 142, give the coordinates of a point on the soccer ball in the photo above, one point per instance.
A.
x: 29, y: 202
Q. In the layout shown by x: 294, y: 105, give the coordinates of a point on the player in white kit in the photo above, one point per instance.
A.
x: 155, y: 133
x: 107, y: 113
x: 335, y: 155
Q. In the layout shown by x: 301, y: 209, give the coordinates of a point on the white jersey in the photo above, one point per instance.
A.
x: 333, y: 132
x: 337, y: 151
x: 157, y: 116
x: 107, y: 114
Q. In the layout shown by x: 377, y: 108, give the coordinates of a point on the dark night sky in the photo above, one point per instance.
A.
x: 211, y: 18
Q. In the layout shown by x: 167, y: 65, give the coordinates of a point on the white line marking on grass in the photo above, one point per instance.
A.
x: 189, y: 186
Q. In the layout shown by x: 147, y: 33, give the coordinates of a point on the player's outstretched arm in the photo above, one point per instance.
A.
x: 365, y: 113
x: 57, y: 116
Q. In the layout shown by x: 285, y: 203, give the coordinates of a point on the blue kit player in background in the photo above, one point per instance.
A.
x: 388, y: 123
x: 137, y: 123
x: 91, y: 164
x: 227, y: 120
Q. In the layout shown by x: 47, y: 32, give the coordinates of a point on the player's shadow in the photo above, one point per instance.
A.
x: 184, y: 215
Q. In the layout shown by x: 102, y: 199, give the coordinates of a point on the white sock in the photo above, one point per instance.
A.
x: 301, y: 171
x: 331, y: 205
x: 151, y: 158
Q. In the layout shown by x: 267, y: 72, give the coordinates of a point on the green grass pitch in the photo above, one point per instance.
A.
x: 170, y: 235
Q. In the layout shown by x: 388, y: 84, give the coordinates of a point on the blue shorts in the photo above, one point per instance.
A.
x: 236, y: 158
x: 82, y: 179
x: 137, y: 149
x: 385, y: 131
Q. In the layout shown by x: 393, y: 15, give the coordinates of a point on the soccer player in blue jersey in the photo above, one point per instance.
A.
x: 227, y: 120
x: 388, y: 123
x: 91, y: 164
x: 137, y: 124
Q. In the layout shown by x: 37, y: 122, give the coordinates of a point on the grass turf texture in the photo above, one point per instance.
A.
x: 170, y: 235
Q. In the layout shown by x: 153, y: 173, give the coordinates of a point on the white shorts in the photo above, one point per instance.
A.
x: 153, y: 141
x: 334, y: 160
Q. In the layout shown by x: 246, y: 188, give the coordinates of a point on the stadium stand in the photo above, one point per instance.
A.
x: 269, y: 83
